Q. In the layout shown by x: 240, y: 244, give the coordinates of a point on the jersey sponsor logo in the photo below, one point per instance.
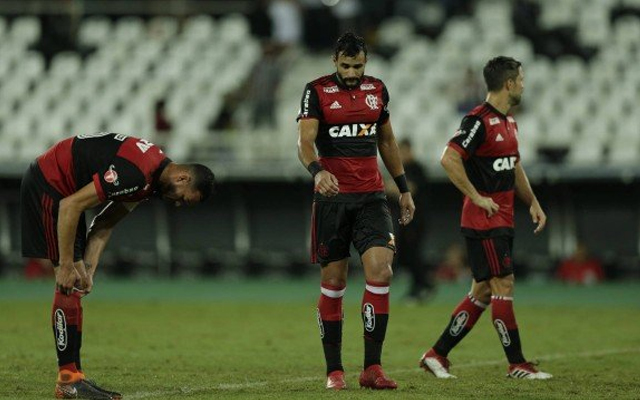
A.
x: 305, y: 103
x: 61, y: 329
x: 320, y: 324
x: 471, y: 134
x: 510, y: 119
x: 503, y: 332
x: 459, y: 321
x: 124, y: 191
x: 111, y: 176
x: 367, y: 86
x: 372, y: 101
x: 352, y: 130
x: 494, y: 121
x: 335, y: 105
x: 331, y: 89
x: 369, y: 317
x: 499, y: 138
x: 504, y: 163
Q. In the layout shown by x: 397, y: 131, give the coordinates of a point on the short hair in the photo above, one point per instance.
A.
x: 203, y: 179
x: 498, y: 70
x: 350, y: 45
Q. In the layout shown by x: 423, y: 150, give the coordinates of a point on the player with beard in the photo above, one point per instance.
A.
x: 72, y: 176
x: 483, y: 162
x: 344, y: 115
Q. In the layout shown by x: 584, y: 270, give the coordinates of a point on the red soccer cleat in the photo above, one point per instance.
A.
x: 374, y: 378
x: 335, y: 380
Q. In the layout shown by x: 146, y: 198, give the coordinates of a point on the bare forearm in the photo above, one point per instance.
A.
x: 306, y: 153
x: 391, y: 157
x: 523, y: 187
x: 458, y: 176
x: 96, y: 243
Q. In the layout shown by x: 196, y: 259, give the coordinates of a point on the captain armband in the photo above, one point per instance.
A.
x: 401, y: 183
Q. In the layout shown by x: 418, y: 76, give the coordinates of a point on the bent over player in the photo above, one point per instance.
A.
x: 345, y: 116
x: 483, y: 162
x: 74, y: 175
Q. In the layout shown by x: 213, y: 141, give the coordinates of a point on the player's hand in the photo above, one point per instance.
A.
x: 487, y: 203
x: 88, y: 285
x: 66, y: 277
x: 326, y: 184
x: 538, y: 217
x: 407, y: 208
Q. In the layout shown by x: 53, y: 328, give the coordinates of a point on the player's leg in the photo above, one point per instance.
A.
x: 374, y: 239
x: 330, y: 241
x: 502, y: 312
x: 464, y: 316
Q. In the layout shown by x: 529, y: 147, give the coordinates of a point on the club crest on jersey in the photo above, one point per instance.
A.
x: 331, y: 89
x: 369, y: 315
x: 352, y: 130
x: 504, y: 163
x: 503, y: 332
x: 372, y: 101
x: 320, y: 325
x: 367, y: 86
x: 111, y: 176
x: 459, y: 321
x: 60, y: 326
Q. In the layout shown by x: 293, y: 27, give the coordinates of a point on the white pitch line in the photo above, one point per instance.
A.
x: 249, y: 385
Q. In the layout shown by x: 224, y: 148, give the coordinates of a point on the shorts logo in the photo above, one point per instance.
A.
x: 323, y: 250
x: 459, y: 321
x: 503, y: 332
x: 60, y: 326
x: 111, y: 176
x: 369, y: 316
x: 330, y: 89
x: 367, y: 86
x: 372, y: 101
x: 392, y: 240
x: 506, y: 261
x: 320, y: 325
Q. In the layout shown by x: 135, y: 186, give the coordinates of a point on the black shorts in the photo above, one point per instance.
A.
x: 335, y: 225
x: 490, y: 257
x: 39, y: 218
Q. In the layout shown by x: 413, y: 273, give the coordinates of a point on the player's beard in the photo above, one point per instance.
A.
x: 515, y: 99
x: 350, y: 82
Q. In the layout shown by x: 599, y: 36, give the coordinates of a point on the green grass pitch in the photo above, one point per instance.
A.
x: 259, y: 340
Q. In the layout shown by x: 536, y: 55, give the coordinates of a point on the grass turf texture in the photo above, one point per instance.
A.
x: 259, y: 339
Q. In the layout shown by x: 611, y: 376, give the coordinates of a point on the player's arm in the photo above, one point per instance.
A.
x: 100, y: 232
x: 525, y: 193
x: 451, y: 161
x: 390, y: 154
x: 69, y: 211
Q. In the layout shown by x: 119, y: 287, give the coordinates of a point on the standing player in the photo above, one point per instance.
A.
x: 483, y: 162
x: 345, y: 115
x: 74, y: 175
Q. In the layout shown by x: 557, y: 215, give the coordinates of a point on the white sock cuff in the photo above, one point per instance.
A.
x: 505, y: 298
x: 334, y: 294
x: 477, y: 302
x: 377, y: 289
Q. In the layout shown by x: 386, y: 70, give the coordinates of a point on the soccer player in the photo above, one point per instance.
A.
x: 483, y: 162
x: 345, y: 116
x: 72, y: 176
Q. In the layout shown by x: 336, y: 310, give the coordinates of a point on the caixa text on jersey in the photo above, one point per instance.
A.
x: 352, y: 130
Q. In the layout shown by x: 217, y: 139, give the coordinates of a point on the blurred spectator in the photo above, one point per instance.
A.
x: 36, y: 268
x: 581, y: 268
x: 286, y: 22
x: 471, y: 91
x: 260, y: 21
x: 162, y: 124
x: 59, y: 31
x: 348, y: 13
x: 411, y: 237
x: 264, y: 83
x: 453, y: 267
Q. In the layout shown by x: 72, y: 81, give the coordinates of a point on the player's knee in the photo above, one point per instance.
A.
x: 336, y: 281
x: 502, y: 286
x: 382, y: 273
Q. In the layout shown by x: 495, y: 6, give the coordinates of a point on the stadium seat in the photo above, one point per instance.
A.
x: 25, y: 30
x: 94, y: 31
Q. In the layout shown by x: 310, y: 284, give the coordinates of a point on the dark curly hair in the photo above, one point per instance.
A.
x: 350, y: 45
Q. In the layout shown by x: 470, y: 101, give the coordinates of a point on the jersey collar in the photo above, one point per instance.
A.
x: 494, y: 110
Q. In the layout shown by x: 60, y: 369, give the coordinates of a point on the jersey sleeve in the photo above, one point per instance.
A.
x: 120, y: 178
x: 310, y: 104
x: 384, y: 114
x: 469, y: 136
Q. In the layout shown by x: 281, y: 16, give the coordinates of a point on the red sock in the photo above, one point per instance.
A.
x: 330, y: 323
x: 375, y: 315
x: 504, y: 321
x: 65, y: 317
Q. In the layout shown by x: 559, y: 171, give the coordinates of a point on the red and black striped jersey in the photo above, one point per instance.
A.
x: 122, y: 168
x: 349, y: 119
x: 488, y: 143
